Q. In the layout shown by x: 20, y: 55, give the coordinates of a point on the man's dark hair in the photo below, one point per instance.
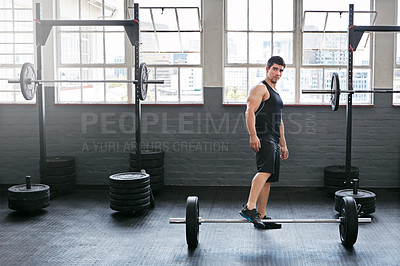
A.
x: 276, y: 60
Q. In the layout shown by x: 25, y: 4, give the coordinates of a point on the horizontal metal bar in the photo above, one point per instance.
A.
x: 87, y: 81
x: 348, y: 91
x: 86, y: 22
x: 377, y: 28
x: 182, y: 220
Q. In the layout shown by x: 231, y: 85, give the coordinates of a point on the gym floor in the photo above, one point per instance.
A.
x: 80, y: 229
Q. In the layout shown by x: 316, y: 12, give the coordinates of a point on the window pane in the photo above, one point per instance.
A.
x: 165, y: 19
x: 145, y: 20
x: 335, y: 5
x: 361, y: 55
x: 191, y: 85
x: 287, y: 86
x: 188, y: 19
x: 20, y: 59
x: 258, y: 19
x: 115, y: 48
x: 23, y: 38
x: 283, y: 15
x: 362, y: 81
x: 21, y: 3
x: 6, y: 3
x: 236, y: 15
x: 398, y: 49
x: 396, y: 86
x: 23, y: 26
x: 311, y: 79
x: 237, y: 47
x: 190, y: 41
x: 283, y: 46
x: 113, y: 9
x: 116, y: 92
x: 6, y: 26
x: 70, y: 48
x: 314, y: 21
x: 149, y: 42
x: 6, y: 48
x: 236, y: 85
x: 169, y: 42
x: 69, y: 9
x: 6, y: 59
x: 92, y: 48
x: 170, y: 58
x: 167, y: 92
x: 69, y: 92
x: 92, y: 92
x: 91, y: 10
x: 260, y: 47
x: 23, y: 15
x: 324, y: 49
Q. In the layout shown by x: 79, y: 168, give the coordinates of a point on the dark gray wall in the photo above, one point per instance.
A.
x: 205, y: 145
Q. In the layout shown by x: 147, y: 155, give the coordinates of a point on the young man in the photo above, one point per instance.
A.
x: 265, y: 126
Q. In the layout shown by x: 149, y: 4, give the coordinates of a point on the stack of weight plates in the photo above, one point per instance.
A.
x: 153, y: 163
x: 59, y: 173
x: 28, y: 198
x: 366, y: 199
x: 335, y: 177
x: 130, y: 191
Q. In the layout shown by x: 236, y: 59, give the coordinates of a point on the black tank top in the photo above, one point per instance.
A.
x: 269, y: 115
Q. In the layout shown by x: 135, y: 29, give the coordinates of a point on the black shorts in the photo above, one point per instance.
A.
x: 268, y: 159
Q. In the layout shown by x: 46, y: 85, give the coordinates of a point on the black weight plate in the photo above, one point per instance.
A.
x: 16, y: 197
x: 35, y: 202
x: 142, y: 82
x: 35, y: 188
x: 60, y: 161
x: 129, y: 208
x: 336, y: 182
x: 129, y: 177
x: 58, y: 179
x: 130, y: 196
x: 132, y: 191
x: 157, y: 178
x: 137, y: 202
x: 157, y: 186
x: 130, y: 185
x: 364, y: 195
x: 147, y: 164
x: 348, y: 227
x: 148, y: 155
x: 28, y: 89
x: 152, y: 201
x: 60, y: 171
x: 335, y: 91
x: 339, y: 171
x: 28, y: 208
x: 192, y: 221
x: 150, y: 171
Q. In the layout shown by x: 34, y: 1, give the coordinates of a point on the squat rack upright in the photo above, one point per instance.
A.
x: 42, y: 31
x: 354, y: 35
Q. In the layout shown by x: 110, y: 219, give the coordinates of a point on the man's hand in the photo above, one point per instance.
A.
x: 255, y: 143
x: 284, y: 153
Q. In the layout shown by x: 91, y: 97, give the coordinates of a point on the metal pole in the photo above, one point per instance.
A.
x: 350, y: 95
x: 40, y: 95
x: 183, y: 220
x: 85, y: 81
x: 138, y: 108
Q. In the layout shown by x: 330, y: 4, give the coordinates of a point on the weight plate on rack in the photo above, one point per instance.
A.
x: 28, y: 88
x: 142, y: 82
x: 335, y: 91
x: 192, y: 221
x: 348, y: 226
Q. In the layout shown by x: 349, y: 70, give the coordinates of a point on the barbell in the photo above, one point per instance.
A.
x: 348, y: 221
x: 28, y: 82
x: 335, y: 91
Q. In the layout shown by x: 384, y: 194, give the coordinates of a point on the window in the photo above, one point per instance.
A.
x: 396, y: 75
x: 171, y: 47
x: 16, y: 45
x: 324, y: 51
x: 91, y: 53
x: 254, y: 31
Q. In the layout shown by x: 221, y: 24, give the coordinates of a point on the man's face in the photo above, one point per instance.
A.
x: 274, y: 73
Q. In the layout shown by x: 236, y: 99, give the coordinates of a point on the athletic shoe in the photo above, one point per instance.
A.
x: 269, y: 225
x: 252, y: 216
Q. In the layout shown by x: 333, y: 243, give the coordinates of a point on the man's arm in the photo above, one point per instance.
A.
x: 253, y: 102
x: 284, y: 149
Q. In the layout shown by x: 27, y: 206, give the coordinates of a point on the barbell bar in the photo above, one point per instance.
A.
x: 292, y: 221
x: 28, y: 82
x: 335, y: 91
x: 85, y: 81
x: 348, y: 221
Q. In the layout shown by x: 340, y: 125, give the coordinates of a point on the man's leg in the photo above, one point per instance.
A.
x: 257, y: 185
x: 263, y: 199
